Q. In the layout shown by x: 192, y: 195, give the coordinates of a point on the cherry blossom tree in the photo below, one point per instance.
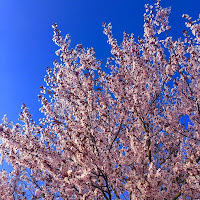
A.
x: 117, y: 135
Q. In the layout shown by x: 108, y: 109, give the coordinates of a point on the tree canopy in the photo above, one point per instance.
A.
x: 132, y: 133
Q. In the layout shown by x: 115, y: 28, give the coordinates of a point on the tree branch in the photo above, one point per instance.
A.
x: 177, y: 196
x: 116, y: 135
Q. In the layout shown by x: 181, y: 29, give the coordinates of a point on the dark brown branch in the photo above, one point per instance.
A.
x: 198, y: 159
x: 116, y: 135
x: 177, y: 196
x: 102, y: 190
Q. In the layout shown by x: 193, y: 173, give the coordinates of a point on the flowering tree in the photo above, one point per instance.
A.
x: 119, y: 135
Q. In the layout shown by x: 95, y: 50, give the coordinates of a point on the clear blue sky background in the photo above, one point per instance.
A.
x: 26, y: 46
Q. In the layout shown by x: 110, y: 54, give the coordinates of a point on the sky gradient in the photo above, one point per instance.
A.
x: 27, y: 49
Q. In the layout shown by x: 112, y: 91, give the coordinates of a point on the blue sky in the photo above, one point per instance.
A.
x: 26, y: 46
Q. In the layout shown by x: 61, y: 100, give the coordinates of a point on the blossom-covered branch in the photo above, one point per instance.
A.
x: 116, y: 135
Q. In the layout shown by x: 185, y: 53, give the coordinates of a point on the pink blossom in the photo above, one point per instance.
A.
x: 126, y: 136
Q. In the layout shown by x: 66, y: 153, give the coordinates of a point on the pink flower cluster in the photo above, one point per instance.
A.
x: 112, y: 136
